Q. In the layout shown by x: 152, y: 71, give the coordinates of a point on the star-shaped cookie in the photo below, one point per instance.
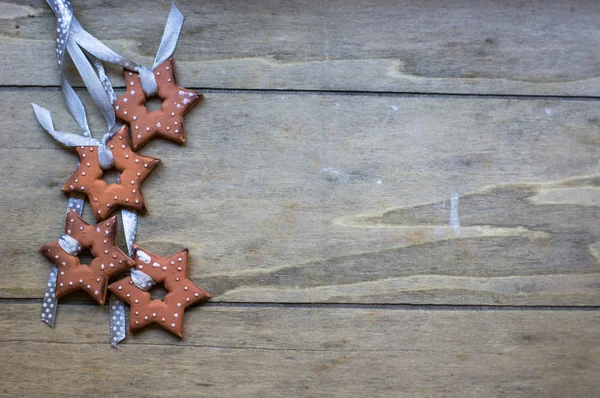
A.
x: 173, y: 272
x: 105, y: 197
x: 109, y: 260
x: 166, y: 122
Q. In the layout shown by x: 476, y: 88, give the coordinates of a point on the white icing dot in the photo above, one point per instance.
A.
x: 176, y: 315
x: 179, y: 259
x: 155, y: 265
x: 120, y: 288
x: 135, y: 118
x: 132, y: 92
x: 196, y: 294
x: 163, y: 319
x: 185, y: 288
x: 117, y: 107
x: 128, y: 295
x: 173, y: 325
x: 125, y: 100
x: 179, y: 304
x: 136, y: 301
x: 165, y: 268
x: 154, y: 314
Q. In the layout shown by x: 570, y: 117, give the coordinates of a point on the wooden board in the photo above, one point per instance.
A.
x: 385, y: 198
x: 338, y: 198
x: 305, y: 352
x: 479, y: 47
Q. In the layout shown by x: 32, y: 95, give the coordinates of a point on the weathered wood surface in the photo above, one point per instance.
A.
x: 484, y: 47
x: 300, y: 352
x: 338, y: 198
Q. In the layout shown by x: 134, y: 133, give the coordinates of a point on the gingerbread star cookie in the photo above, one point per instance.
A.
x: 109, y: 260
x: 166, y: 122
x: 172, y: 271
x: 105, y: 197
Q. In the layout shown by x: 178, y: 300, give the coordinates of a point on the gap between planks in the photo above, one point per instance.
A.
x: 347, y: 306
x: 394, y: 94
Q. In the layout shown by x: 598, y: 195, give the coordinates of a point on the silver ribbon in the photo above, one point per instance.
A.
x: 118, y: 330
x: 105, y: 156
x: 142, y: 280
x: 71, y: 29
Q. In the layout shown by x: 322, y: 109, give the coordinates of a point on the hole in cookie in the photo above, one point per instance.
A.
x: 158, y: 292
x: 153, y: 104
x: 85, y: 257
x: 111, y: 176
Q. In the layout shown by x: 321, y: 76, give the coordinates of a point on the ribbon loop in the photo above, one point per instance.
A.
x: 148, y: 81
x: 67, y: 139
x: 105, y: 157
x: 170, y: 36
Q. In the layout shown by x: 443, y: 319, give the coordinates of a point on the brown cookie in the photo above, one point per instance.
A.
x: 104, y: 197
x: 166, y: 122
x: 173, y: 272
x: 109, y: 260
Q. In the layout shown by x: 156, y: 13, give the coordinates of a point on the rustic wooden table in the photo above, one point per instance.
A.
x: 385, y: 198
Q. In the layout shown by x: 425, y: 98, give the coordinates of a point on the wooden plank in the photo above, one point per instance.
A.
x: 303, y: 198
x: 283, y: 352
x: 483, y: 47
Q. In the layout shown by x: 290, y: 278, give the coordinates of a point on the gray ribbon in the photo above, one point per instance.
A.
x: 142, y: 280
x: 105, y: 156
x: 71, y: 29
x: 118, y: 330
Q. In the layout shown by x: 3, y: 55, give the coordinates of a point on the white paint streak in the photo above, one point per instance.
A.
x: 548, y: 111
x: 143, y: 256
x: 336, y: 175
x: 379, y: 182
x: 454, y: 222
x: 394, y: 107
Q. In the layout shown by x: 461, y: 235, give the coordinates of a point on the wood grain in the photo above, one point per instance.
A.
x: 480, y: 47
x: 343, y: 198
x: 303, y: 352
